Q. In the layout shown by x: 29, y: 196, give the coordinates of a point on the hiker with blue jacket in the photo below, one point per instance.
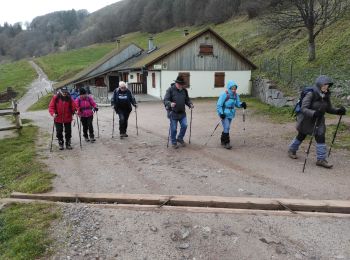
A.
x: 311, y: 120
x: 225, y: 108
x: 122, y: 101
x: 175, y: 100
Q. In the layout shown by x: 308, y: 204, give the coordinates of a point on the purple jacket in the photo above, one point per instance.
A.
x: 84, y: 106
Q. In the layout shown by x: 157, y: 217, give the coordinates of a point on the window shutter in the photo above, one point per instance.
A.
x: 206, y: 49
x: 153, y: 80
x: 219, y: 79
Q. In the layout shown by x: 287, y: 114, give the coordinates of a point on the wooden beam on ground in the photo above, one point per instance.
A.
x: 9, y: 113
x: 10, y: 128
x: 295, y: 205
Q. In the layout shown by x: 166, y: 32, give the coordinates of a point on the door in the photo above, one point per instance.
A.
x: 113, y: 83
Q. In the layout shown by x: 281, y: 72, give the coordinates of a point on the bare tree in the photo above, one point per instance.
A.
x: 314, y: 15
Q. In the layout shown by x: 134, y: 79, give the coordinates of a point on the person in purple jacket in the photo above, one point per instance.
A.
x: 86, y: 107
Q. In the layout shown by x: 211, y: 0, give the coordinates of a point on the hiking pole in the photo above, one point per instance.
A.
x: 113, y: 123
x: 213, y: 132
x: 243, y: 126
x: 189, y: 138
x: 79, y: 130
x: 308, y: 149
x: 335, y: 134
x: 53, y: 130
x: 98, y: 126
x: 167, y: 145
x: 137, y: 127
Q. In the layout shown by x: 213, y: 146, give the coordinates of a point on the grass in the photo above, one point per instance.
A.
x: 24, y: 230
x: 19, y: 170
x: 342, y: 139
x: 42, y: 103
x: 17, y: 75
x: 275, y: 114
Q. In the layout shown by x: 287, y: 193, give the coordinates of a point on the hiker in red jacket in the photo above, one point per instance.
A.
x: 86, y: 107
x: 62, y: 109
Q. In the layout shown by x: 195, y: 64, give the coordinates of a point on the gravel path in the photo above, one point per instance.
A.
x: 257, y: 166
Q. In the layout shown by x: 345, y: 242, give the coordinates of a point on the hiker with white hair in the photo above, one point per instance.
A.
x: 122, y: 101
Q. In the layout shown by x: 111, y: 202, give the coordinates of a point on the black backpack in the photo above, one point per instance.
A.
x: 297, y: 107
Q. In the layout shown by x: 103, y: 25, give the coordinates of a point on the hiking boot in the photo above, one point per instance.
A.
x: 292, y: 154
x: 68, y: 145
x: 175, y: 146
x: 123, y: 135
x: 181, y: 142
x: 92, y: 139
x: 324, y: 164
x: 87, y: 139
x: 60, y: 144
x: 228, y: 146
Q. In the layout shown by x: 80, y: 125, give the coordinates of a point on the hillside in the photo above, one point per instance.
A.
x: 273, y: 52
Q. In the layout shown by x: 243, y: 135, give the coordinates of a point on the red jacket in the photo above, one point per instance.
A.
x: 63, y: 108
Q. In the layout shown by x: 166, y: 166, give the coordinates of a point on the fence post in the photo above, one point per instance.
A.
x: 16, y: 114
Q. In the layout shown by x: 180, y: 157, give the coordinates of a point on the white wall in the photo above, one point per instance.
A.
x: 202, y: 82
x: 150, y: 90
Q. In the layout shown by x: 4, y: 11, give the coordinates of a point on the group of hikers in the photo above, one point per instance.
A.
x: 310, y: 118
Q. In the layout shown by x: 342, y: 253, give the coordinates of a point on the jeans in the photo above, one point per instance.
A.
x: 123, y: 120
x: 226, y: 124
x: 87, y: 126
x: 173, y: 129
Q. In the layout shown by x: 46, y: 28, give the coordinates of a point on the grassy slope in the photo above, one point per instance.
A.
x: 42, y: 103
x: 17, y: 75
x: 24, y: 230
x: 19, y: 168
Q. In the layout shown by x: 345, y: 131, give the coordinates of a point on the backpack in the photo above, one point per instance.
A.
x: 297, y: 107
x: 88, y: 99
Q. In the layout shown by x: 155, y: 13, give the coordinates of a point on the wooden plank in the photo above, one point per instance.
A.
x: 9, y: 128
x: 8, y: 113
x: 332, y: 206
x: 196, y: 210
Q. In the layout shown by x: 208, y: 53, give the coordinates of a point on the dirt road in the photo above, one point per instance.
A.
x: 257, y: 166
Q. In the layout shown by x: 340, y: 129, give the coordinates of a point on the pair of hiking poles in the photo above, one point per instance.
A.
x: 217, y: 125
x: 79, y: 130
x: 189, y: 138
x: 137, y: 127
x: 313, y: 135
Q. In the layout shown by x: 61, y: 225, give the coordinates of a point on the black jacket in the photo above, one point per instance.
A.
x: 122, y: 100
x: 180, y: 97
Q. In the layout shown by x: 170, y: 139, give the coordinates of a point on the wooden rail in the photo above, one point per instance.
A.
x: 15, y: 113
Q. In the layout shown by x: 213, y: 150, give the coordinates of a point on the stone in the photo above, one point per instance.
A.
x: 184, y: 246
x: 153, y: 229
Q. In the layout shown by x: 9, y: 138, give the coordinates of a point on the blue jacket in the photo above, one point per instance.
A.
x: 228, y: 101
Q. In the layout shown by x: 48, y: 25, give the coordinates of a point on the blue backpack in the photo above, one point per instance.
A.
x: 297, y: 107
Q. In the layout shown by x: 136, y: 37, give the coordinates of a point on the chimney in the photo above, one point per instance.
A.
x: 118, y: 43
x: 186, y: 32
x: 150, y: 43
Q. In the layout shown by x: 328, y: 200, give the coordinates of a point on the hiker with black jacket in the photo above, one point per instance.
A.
x: 311, y: 120
x: 122, y: 101
x: 226, y: 108
x: 62, y: 108
x: 175, y: 99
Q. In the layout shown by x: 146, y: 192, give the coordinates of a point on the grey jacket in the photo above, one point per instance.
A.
x: 313, y: 101
x: 180, y: 97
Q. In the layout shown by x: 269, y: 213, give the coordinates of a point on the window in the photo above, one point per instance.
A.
x: 219, y: 80
x: 186, y: 77
x: 206, y: 49
x: 139, y: 77
x: 153, y: 80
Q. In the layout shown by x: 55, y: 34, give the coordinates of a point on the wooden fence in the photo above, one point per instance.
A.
x: 14, y: 113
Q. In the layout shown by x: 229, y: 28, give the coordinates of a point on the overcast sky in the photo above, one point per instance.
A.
x: 13, y: 11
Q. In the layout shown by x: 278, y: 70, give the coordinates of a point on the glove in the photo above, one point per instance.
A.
x: 222, y: 116
x: 95, y: 109
x: 192, y: 106
x: 244, y: 105
x: 318, y: 114
x: 341, y: 111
